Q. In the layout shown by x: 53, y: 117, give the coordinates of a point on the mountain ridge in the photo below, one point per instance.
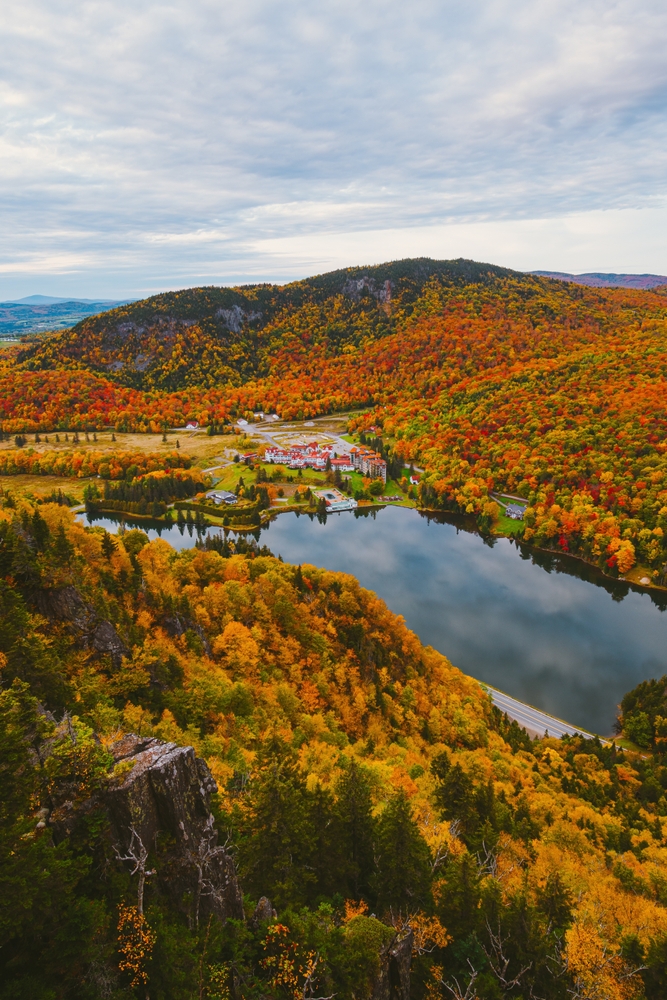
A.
x: 219, y: 334
x: 600, y: 279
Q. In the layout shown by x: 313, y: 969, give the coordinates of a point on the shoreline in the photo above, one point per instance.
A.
x: 273, y: 512
x: 648, y: 588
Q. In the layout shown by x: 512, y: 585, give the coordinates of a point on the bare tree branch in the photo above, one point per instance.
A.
x: 137, y: 855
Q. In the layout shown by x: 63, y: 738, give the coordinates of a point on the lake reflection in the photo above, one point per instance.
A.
x: 556, y: 635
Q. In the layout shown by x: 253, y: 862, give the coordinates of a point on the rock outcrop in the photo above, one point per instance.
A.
x: 177, y: 625
x: 235, y: 317
x: 163, y: 803
x: 264, y: 912
x: 354, y: 288
x: 66, y: 604
x: 393, y: 981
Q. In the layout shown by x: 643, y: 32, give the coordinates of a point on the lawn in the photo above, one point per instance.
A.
x: 504, y: 525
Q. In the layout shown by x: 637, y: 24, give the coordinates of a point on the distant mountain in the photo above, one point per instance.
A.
x: 37, y: 313
x: 49, y: 300
x: 597, y: 279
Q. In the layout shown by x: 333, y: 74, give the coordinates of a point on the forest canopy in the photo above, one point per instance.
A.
x: 365, y: 784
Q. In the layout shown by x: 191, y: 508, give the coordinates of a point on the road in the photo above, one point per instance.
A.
x: 532, y: 719
x: 269, y: 432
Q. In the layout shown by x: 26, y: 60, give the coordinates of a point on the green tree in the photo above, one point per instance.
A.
x: 355, y: 807
x: 403, y: 878
x: 47, y: 924
x: 276, y: 836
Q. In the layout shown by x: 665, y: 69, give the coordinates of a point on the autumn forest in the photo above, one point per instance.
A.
x: 357, y: 820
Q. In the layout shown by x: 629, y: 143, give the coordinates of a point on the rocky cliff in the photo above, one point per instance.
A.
x: 393, y: 980
x: 162, y: 802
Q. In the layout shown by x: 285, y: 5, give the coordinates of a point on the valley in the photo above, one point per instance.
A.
x: 233, y: 770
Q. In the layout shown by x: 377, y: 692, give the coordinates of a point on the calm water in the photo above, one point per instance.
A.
x: 547, y: 630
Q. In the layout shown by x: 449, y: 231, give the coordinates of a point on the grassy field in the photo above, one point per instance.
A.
x: 200, y: 446
x: 506, y: 525
x: 39, y: 486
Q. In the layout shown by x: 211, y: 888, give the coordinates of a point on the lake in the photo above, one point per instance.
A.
x: 548, y: 630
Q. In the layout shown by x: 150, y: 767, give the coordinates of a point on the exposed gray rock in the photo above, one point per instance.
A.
x: 67, y: 605
x: 393, y: 981
x: 354, y: 288
x: 177, y: 625
x: 263, y: 912
x: 235, y: 317
x: 165, y: 797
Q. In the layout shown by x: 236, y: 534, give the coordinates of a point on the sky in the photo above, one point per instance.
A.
x: 147, y: 146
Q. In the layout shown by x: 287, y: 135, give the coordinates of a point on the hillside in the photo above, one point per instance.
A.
x: 359, y: 773
x: 211, y: 337
x: 597, y: 279
x: 489, y: 379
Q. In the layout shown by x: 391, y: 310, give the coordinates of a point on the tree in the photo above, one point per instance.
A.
x: 63, y: 550
x: 277, y: 833
x: 47, y: 924
x: 357, y: 831
x: 403, y: 878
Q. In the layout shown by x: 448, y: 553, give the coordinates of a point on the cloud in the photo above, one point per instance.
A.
x: 148, y: 143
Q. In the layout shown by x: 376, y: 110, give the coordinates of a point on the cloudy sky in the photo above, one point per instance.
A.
x: 149, y: 145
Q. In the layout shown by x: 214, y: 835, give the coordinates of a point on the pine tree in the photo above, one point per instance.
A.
x: 278, y: 833
x: 63, y: 550
x: 355, y: 808
x: 108, y: 545
x: 403, y: 878
x: 326, y: 850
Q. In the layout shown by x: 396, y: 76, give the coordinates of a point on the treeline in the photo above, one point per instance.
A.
x: 85, y: 464
x: 147, y: 495
x: 168, y: 486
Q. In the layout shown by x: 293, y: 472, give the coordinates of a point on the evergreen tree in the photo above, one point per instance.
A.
x: 63, y: 550
x: 277, y: 835
x: 357, y: 832
x: 403, y: 877
x: 47, y: 924
x: 326, y: 860
x: 108, y: 545
x: 39, y: 530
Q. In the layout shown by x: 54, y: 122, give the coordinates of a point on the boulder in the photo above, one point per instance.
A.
x: 163, y: 800
x: 263, y: 912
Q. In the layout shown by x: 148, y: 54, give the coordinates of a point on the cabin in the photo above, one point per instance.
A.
x: 192, y: 426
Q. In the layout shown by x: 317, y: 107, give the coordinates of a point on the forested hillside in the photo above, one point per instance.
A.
x: 365, y: 786
x: 489, y: 379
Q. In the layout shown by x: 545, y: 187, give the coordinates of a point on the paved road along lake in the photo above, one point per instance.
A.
x: 548, y: 630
